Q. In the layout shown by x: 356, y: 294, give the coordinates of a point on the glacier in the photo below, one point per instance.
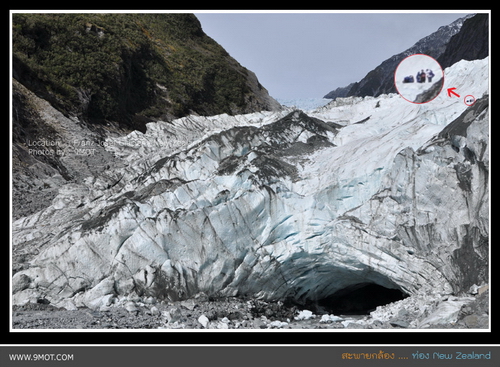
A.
x: 278, y: 205
x: 304, y: 104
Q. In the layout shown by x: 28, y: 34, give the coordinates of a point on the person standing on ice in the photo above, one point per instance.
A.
x: 418, y: 77
x: 430, y: 75
x: 422, y: 76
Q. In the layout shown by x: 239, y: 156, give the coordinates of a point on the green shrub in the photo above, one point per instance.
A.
x: 117, y: 66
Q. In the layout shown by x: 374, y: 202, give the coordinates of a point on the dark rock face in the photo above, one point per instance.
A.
x: 340, y: 92
x: 430, y: 93
x: 471, y: 43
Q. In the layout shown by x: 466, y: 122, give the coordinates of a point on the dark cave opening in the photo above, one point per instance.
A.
x: 357, y: 299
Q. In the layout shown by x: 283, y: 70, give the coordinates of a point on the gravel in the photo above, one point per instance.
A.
x: 228, y: 313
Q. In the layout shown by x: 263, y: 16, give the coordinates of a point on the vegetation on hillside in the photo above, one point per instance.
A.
x: 125, y: 67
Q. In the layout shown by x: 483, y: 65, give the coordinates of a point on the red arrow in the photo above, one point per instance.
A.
x: 451, y: 91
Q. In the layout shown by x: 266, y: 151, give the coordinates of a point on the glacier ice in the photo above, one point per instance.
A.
x: 277, y: 205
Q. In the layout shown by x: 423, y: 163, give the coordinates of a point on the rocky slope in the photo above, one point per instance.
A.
x: 81, y: 78
x: 229, y: 314
x: 471, y: 43
x: 381, y: 79
x: 130, y: 68
x: 277, y: 206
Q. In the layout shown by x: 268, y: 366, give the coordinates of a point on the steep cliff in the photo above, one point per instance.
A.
x: 471, y: 43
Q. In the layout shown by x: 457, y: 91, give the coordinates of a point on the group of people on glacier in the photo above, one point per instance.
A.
x: 421, y: 75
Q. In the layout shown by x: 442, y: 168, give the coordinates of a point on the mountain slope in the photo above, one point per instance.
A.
x: 81, y: 78
x: 381, y: 79
x: 471, y: 43
x: 127, y: 67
